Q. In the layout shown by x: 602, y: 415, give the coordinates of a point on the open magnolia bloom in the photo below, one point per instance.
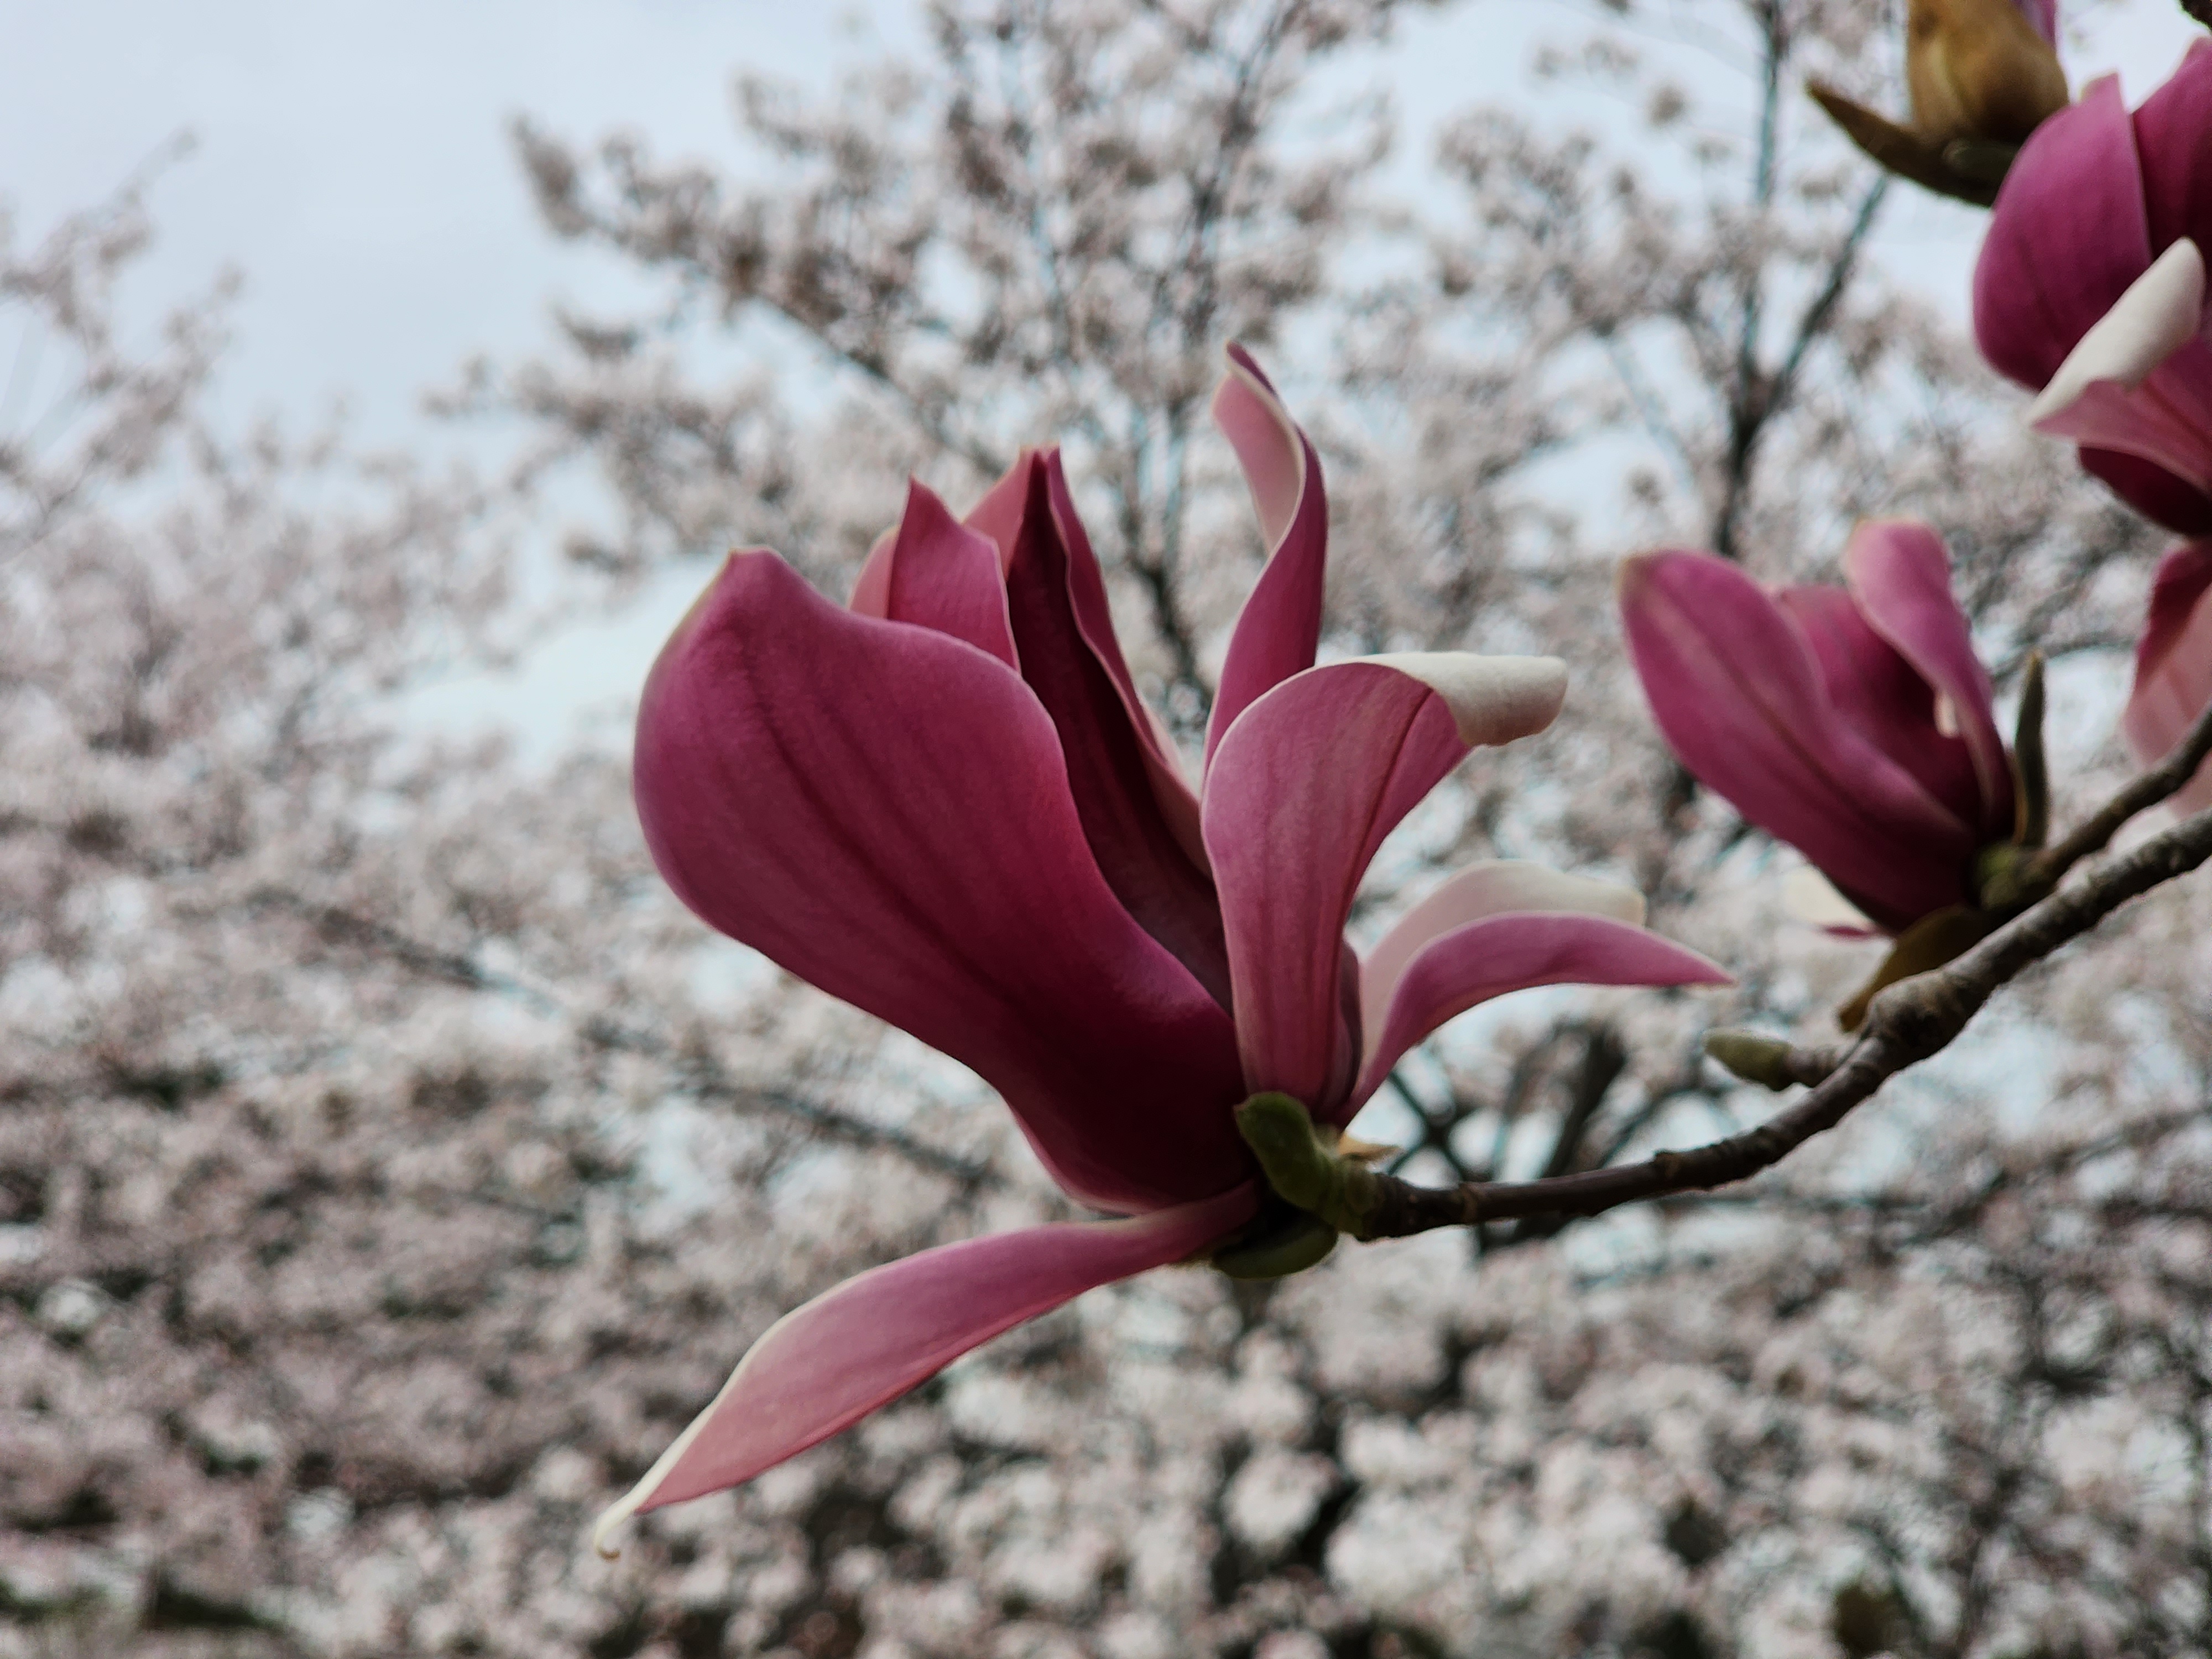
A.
x: 946, y: 806
x: 2090, y: 288
x: 2173, y: 667
x: 1854, y: 723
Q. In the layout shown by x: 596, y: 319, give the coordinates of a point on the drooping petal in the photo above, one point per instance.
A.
x: 2177, y: 158
x: 1489, y: 888
x: 1488, y: 958
x: 2068, y: 234
x: 2173, y: 665
x: 1900, y: 576
x: 823, y: 1366
x: 1138, y: 850
x: 1737, y: 694
x: 1279, y: 627
x: 934, y: 572
x: 1882, y: 696
x: 1302, y: 791
x: 884, y: 811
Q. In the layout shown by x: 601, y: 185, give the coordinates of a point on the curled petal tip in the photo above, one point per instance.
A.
x: 2162, y: 312
x: 1493, y: 700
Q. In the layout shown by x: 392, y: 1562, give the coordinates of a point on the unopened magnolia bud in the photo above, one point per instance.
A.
x: 1978, y: 73
x: 1753, y: 1056
x: 1980, y: 78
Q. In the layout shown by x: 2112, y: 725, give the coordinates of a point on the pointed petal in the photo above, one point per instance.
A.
x: 1490, y: 888
x: 823, y: 1366
x: 1279, y: 627
x: 2068, y: 234
x: 872, y: 589
x: 934, y: 572
x: 1086, y: 592
x: 999, y: 514
x: 1900, y: 576
x: 883, y: 811
x: 1106, y: 744
x: 2173, y: 665
x: 1737, y: 694
x: 1882, y: 696
x: 1489, y: 958
x: 1302, y: 791
x: 2177, y: 161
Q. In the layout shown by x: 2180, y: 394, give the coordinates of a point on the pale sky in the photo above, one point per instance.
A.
x: 353, y: 162
x: 353, y: 159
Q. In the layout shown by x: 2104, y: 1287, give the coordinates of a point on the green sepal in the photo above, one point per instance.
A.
x: 2030, y: 775
x: 1305, y: 1170
x: 1280, y: 1245
x: 1753, y: 1056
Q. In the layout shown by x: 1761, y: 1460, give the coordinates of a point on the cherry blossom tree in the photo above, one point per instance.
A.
x: 392, y: 1168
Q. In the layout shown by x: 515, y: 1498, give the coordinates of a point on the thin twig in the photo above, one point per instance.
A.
x: 2160, y: 782
x: 1909, y: 1022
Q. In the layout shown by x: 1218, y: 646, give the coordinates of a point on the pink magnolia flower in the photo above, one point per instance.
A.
x: 1854, y: 723
x: 2173, y: 666
x: 946, y: 806
x: 2091, y: 288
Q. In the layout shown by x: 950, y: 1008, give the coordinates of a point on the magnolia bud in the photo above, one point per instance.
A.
x: 1981, y: 78
x: 1977, y: 70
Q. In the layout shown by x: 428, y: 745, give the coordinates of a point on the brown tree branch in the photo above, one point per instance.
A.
x: 1909, y: 1022
x: 2160, y: 782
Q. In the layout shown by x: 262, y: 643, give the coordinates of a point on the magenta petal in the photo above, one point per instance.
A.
x: 934, y: 572
x: 999, y: 514
x: 1087, y: 593
x: 823, y: 1366
x: 1491, y: 887
x: 2173, y: 665
x: 2171, y: 131
x: 2151, y: 491
x: 1279, y: 627
x: 2166, y: 421
x: 2067, y: 236
x: 1302, y: 791
x: 1882, y: 696
x: 1108, y: 766
x: 1900, y: 575
x: 884, y: 811
x: 1488, y: 958
x: 1737, y: 692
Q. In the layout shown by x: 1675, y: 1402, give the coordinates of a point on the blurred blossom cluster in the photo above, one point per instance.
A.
x: 390, y: 1167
